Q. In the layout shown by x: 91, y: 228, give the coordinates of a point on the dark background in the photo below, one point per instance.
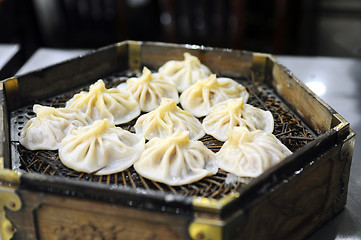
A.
x: 289, y: 27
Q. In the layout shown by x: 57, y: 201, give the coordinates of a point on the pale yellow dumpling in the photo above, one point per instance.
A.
x: 100, y: 148
x: 167, y: 119
x: 50, y: 126
x: 118, y: 106
x: 150, y: 88
x: 248, y: 154
x: 225, y: 116
x: 204, y: 94
x: 176, y: 160
x: 184, y: 73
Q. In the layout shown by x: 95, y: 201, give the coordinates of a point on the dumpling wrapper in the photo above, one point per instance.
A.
x: 167, y: 119
x: 248, y: 154
x: 225, y: 116
x: 204, y: 94
x: 49, y: 127
x: 149, y: 89
x: 176, y: 160
x: 184, y: 73
x: 118, y: 106
x: 100, y: 148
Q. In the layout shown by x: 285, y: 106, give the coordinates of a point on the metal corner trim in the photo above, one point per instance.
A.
x: 9, y: 200
x: 11, y: 89
x: 209, y: 205
x: 260, y: 66
x: 11, y: 86
x: 338, y: 122
x: 134, y: 59
x: 9, y: 178
x: 207, y: 223
x: 210, y: 229
x: 340, y: 125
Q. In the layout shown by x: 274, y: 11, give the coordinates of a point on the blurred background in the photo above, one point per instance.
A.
x: 287, y: 27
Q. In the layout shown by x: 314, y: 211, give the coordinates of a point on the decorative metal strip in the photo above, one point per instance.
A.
x: 260, y: 67
x: 134, y: 60
x: 206, y: 228
x: 9, y: 181
x: 340, y: 125
x: 212, y: 205
x: 12, y: 92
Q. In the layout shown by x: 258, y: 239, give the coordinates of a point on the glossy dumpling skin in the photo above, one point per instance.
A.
x: 248, y: 154
x: 118, y: 106
x: 204, y: 94
x: 184, y: 73
x: 176, y: 160
x: 225, y: 116
x: 150, y: 88
x: 167, y: 119
x: 100, y: 148
x: 49, y: 127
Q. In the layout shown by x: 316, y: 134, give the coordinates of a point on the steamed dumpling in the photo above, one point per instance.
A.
x: 113, y: 104
x: 176, y: 160
x: 224, y: 116
x: 204, y: 94
x: 150, y: 88
x: 49, y: 127
x: 167, y: 119
x: 248, y: 154
x: 184, y: 73
x: 100, y: 148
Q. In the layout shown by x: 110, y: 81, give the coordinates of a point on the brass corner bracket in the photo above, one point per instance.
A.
x: 9, y: 200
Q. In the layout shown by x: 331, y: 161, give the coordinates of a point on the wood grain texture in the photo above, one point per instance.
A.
x: 47, y: 216
x: 310, y: 107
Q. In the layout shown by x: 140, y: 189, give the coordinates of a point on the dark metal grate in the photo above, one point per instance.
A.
x: 288, y: 128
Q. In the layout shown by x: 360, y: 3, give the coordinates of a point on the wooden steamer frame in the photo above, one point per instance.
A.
x: 288, y: 201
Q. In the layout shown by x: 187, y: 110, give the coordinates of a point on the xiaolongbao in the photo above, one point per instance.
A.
x: 100, y: 148
x: 248, y: 154
x: 167, y: 119
x: 176, y: 160
x: 204, y: 94
x: 184, y: 73
x: 226, y: 115
x: 49, y: 127
x: 116, y: 105
x: 150, y: 88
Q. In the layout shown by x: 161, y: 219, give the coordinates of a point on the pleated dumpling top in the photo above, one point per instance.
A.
x: 49, y: 127
x: 100, y: 148
x: 204, y: 94
x: 176, y: 160
x: 184, y: 73
x: 167, y: 119
x: 225, y: 116
x: 249, y: 153
x: 118, y: 106
x: 150, y: 88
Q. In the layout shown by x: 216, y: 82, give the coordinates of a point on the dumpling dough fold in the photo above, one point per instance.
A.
x: 248, y: 154
x: 184, y: 73
x: 176, y: 160
x: 49, y: 127
x: 167, y: 119
x: 101, y: 148
x: 118, y: 106
x: 224, y: 116
x: 204, y: 94
x: 149, y: 89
